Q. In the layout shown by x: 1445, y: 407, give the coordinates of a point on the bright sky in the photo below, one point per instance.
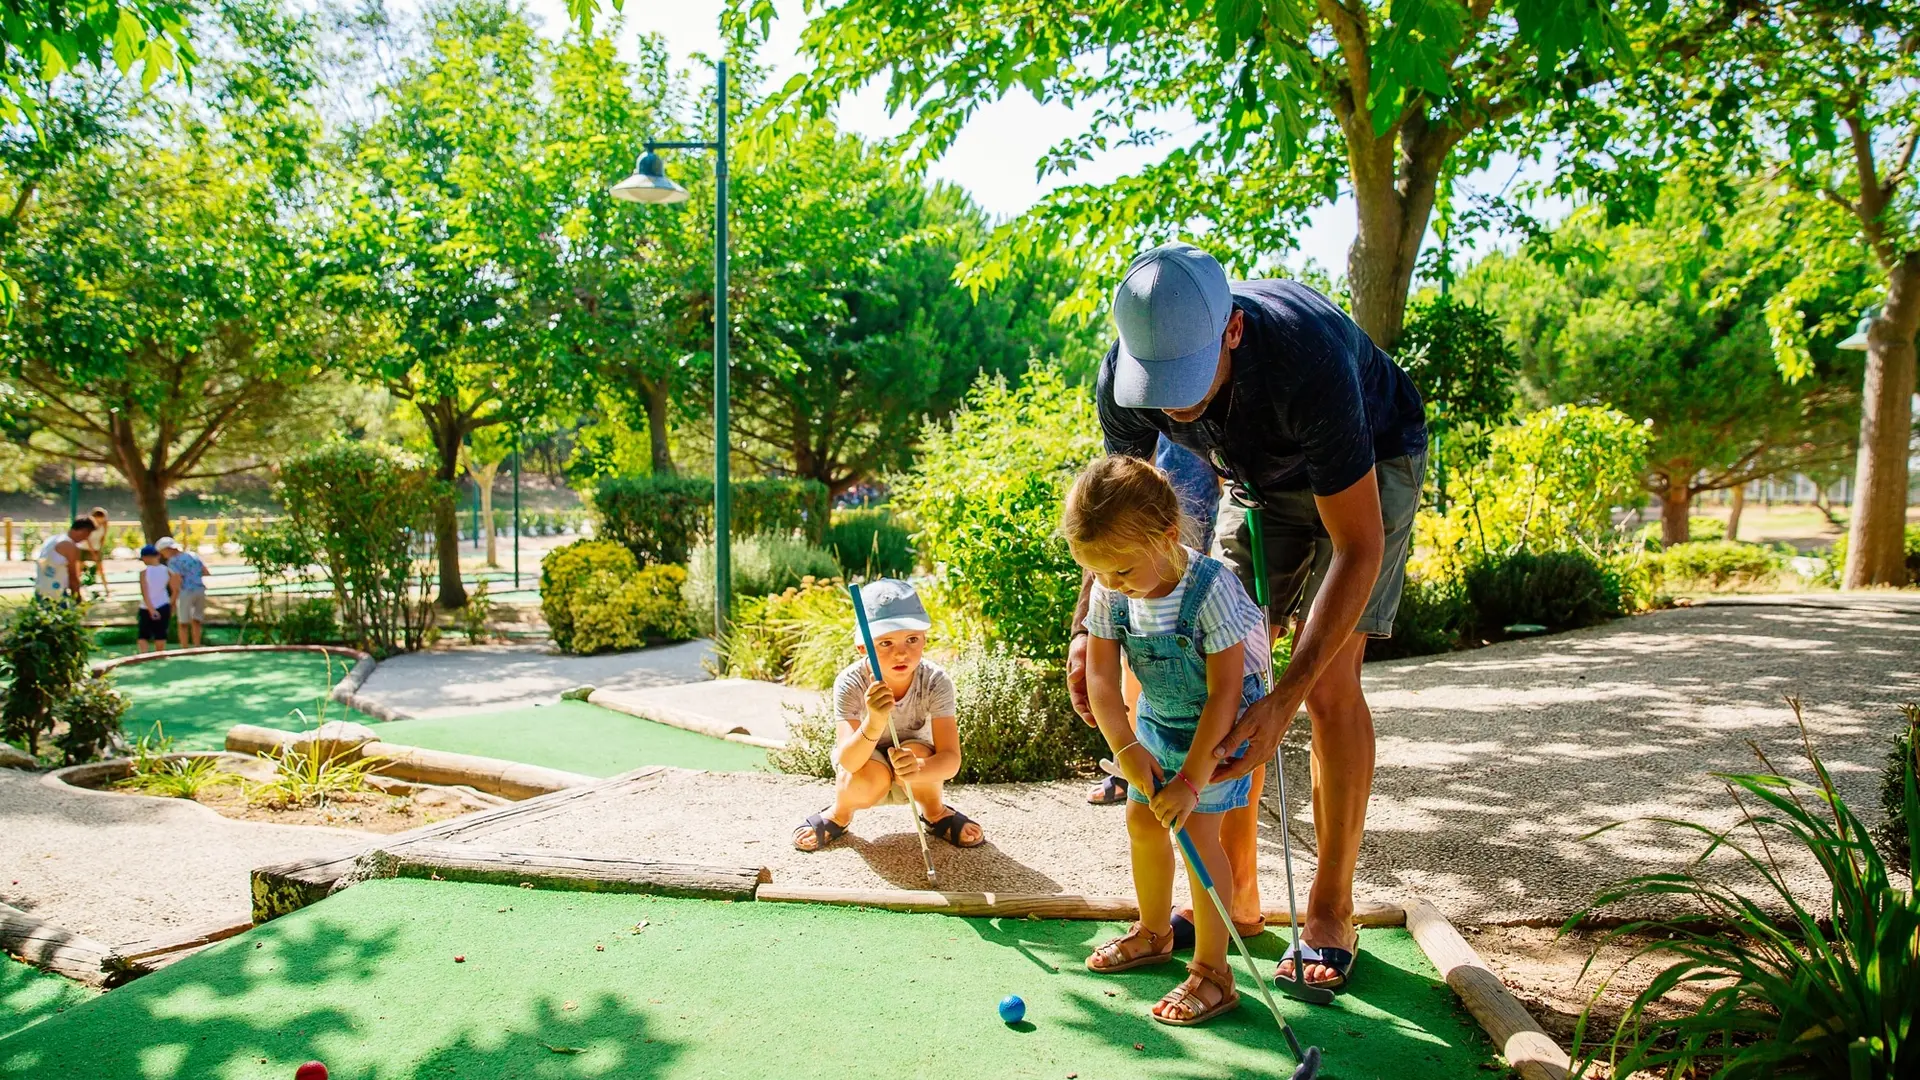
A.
x: 994, y: 156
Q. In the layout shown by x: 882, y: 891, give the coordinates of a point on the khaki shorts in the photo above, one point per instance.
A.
x: 1299, y: 550
x: 191, y: 606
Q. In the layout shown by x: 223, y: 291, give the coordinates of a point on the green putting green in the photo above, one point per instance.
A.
x: 368, y: 982
x: 574, y: 736
x: 29, y: 995
x: 195, y: 699
x: 114, y: 641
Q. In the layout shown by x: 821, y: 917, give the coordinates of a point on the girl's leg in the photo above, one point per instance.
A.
x: 1210, y: 940
x: 929, y: 795
x: 1152, y: 852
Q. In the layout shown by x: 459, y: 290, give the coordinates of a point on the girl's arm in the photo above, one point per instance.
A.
x: 1182, y: 793
x: 859, y: 737
x: 1110, y: 714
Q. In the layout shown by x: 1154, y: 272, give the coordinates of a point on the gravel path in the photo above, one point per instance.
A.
x: 123, y: 867
x: 1492, y: 765
x: 439, y: 682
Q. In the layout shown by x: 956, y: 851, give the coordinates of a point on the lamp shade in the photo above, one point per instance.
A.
x: 649, y: 183
x: 1858, y: 342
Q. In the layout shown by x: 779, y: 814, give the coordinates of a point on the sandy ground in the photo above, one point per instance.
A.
x: 469, y: 677
x: 123, y: 867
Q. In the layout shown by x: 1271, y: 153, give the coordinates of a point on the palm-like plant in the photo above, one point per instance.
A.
x: 1785, y: 991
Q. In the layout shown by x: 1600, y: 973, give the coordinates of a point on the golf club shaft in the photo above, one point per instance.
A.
x: 1206, y: 882
x: 873, y: 662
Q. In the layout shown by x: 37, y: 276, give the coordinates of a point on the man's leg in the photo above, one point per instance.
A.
x: 1342, y: 783
x: 1240, y: 836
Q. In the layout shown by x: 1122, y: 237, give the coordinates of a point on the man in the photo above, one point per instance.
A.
x: 1313, y: 427
x: 191, y: 609
x: 57, y: 563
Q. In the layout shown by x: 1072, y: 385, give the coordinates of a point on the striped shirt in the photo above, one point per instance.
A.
x: 1227, y: 616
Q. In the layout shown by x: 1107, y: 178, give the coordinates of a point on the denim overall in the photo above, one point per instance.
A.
x: 1173, y: 689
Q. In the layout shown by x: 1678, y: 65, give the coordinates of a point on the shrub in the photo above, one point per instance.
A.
x: 568, y: 567
x: 43, y: 660
x: 1560, y: 590
x: 1718, y: 564
x: 1431, y: 617
x: 179, y: 778
x: 1015, y: 723
x: 307, y: 778
x: 1837, y: 559
x: 309, y: 621
x: 805, y: 635
x: 476, y: 618
x: 365, y: 513
x: 870, y: 543
x: 1825, y: 992
x: 1699, y: 529
x: 1903, y: 761
x: 660, y: 518
x: 613, y: 612
x: 984, y: 500
x: 90, y: 715
x: 762, y: 566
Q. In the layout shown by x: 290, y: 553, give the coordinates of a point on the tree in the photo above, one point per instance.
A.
x: 1290, y: 101
x: 1455, y: 354
x: 1823, y: 100
x: 486, y: 450
x: 1667, y: 322
x: 852, y: 333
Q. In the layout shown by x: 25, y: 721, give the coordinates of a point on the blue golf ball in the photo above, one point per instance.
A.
x: 1012, y: 1009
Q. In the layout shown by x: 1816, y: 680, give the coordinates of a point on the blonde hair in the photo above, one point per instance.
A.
x: 1122, y: 503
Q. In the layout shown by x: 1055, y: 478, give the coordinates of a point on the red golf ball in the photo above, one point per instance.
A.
x: 312, y: 1070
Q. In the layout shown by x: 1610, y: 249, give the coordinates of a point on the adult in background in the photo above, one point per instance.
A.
x: 1316, y: 429
x: 57, y: 564
x: 190, y: 610
x: 96, y: 547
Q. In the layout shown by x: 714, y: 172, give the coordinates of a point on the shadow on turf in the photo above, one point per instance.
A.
x: 190, y: 1021
x: 896, y: 858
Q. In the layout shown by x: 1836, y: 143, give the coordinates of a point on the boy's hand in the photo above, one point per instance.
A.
x: 1140, y: 768
x: 879, y: 709
x: 905, y: 762
x: 1174, y: 803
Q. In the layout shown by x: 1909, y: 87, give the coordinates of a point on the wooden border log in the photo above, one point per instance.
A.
x: 45, y: 945
x: 993, y: 905
x: 135, y: 958
x: 511, y: 779
x: 1519, y: 1038
x: 256, y: 740
x: 572, y: 871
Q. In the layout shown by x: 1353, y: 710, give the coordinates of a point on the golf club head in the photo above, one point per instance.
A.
x: 1304, y: 991
x: 1309, y: 1064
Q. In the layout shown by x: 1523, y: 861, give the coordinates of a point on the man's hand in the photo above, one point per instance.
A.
x: 1077, y: 678
x: 1265, y: 723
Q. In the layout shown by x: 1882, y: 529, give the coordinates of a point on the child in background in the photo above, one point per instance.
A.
x: 159, y: 587
x: 1198, y: 645
x: 919, y: 697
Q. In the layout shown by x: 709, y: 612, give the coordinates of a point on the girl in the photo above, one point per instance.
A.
x: 1198, y: 646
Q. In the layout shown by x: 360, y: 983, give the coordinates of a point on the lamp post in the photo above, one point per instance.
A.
x: 649, y: 184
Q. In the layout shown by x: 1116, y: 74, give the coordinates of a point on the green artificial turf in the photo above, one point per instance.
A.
x: 367, y: 982
x: 574, y: 736
x: 114, y: 641
x: 195, y: 699
x: 29, y: 995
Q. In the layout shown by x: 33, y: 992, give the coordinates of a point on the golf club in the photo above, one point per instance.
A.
x: 873, y: 661
x: 1309, y: 1057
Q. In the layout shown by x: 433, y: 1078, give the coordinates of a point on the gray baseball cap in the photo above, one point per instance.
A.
x: 1171, y: 308
x: 891, y: 605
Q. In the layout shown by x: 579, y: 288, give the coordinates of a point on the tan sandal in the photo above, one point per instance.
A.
x: 1119, y: 961
x: 1188, y: 991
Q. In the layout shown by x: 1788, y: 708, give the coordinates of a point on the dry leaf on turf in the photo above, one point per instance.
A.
x: 570, y: 1006
x: 564, y: 1049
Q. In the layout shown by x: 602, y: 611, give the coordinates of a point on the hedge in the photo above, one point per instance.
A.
x: 660, y: 518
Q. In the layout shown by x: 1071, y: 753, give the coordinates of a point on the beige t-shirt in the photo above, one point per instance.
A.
x: 929, y: 697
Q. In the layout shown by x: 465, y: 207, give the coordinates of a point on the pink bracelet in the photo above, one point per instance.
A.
x: 1189, y: 783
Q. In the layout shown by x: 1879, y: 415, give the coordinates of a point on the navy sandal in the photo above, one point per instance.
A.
x: 1112, y: 791
x: 825, y: 831
x: 948, y: 828
x: 1340, y: 960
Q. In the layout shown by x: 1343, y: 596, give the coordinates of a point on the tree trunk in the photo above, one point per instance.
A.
x: 1876, y: 538
x: 484, y: 478
x: 148, y: 484
x: 1395, y: 181
x: 1733, y: 515
x: 1676, y: 506
x: 444, y: 424
x: 657, y: 402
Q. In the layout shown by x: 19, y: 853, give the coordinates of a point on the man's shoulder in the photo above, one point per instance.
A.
x: 1287, y: 302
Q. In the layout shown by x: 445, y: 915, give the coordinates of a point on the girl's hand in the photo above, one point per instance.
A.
x: 1174, y: 803
x: 1140, y: 768
x: 905, y: 762
x: 879, y: 709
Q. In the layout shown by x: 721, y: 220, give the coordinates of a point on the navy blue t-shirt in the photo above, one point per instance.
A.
x: 1311, y: 402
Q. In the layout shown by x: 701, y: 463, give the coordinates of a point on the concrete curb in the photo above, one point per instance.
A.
x: 683, y: 719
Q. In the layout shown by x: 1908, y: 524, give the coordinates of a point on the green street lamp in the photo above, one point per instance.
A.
x: 649, y: 184
x: 1858, y: 342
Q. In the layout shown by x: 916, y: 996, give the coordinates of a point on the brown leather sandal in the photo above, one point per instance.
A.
x: 1188, y: 992
x: 1121, y: 962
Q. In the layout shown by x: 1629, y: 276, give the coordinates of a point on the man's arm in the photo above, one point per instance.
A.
x: 1353, y: 522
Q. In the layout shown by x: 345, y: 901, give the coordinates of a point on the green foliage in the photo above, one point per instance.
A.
x: 1432, y: 616
x: 1560, y: 590
x: 762, y: 566
x: 1718, y: 564
x: 157, y: 772
x: 1896, y: 835
x: 307, y: 621
x: 43, y: 661
x: 363, y: 511
x: 984, y: 499
x: 774, y: 505
x: 309, y: 777
x: 611, y: 611
x: 1837, y: 559
x: 805, y: 636
x: 661, y: 518
x: 1016, y: 725
x: 1828, y: 990
x: 566, y: 570
x: 871, y: 543
x: 476, y: 619
x: 88, y: 720
x: 1464, y: 368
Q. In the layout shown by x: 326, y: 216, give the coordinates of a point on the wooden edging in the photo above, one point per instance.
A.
x: 998, y: 905
x: 571, y: 871
x: 1519, y: 1038
x: 495, y: 776
x: 58, y: 950
x: 136, y: 958
x: 682, y: 719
